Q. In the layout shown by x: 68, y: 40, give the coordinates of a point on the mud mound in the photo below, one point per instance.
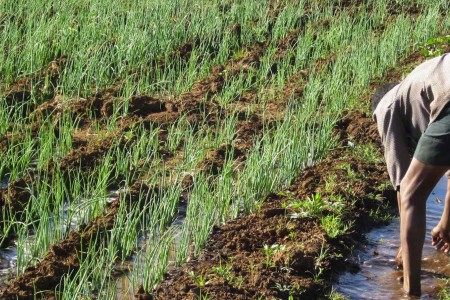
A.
x: 17, y: 195
x: 215, y: 158
x: 42, y: 83
x: 235, y: 266
x: 359, y: 128
x: 247, y: 130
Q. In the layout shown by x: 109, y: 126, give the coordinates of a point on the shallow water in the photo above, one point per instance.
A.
x: 8, y: 259
x: 4, y: 182
x: 8, y: 255
x: 378, y: 278
x: 125, y: 288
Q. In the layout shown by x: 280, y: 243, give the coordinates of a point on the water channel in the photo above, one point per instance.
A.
x: 8, y: 254
x: 379, y: 278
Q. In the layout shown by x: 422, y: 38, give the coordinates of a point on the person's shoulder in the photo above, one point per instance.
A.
x: 441, y: 61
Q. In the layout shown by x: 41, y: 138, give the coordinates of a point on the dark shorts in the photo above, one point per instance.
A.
x: 434, y: 144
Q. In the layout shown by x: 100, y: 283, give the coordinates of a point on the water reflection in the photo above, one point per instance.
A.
x: 378, y: 278
x: 73, y: 216
x: 8, y: 259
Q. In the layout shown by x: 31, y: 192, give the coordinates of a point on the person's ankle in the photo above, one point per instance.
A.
x: 413, y: 291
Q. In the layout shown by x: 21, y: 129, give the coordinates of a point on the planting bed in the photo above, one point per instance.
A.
x: 207, y: 130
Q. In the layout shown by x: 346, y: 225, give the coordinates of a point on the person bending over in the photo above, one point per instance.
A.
x: 413, y: 119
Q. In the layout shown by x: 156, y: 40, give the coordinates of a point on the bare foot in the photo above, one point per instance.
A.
x: 399, y: 259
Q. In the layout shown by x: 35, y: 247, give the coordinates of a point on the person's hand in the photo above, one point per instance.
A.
x: 440, y: 237
x: 399, y: 258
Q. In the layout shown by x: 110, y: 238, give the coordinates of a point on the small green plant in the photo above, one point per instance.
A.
x: 312, y: 206
x: 444, y: 293
x: 334, y: 226
x: 293, y: 290
x: 224, y: 271
x: 384, y: 186
x: 336, y: 296
x: 318, y: 264
x: 270, y: 251
x: 347, y: 167
x: 315, y: 206
x: 292, y: 235
x: 368, y: 153
x: 331, y: 184
x: 283, y: 287
x: 202, y: 296
x: 435, y: 46
x: 239, y: 280
x: 200, y: 279
x: 381, y: 213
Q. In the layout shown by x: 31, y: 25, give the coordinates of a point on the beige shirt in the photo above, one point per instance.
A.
x: 405, y: 112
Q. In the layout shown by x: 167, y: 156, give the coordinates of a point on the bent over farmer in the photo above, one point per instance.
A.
x: 413, y: 119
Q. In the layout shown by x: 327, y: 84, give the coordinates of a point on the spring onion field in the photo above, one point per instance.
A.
x: 130, y: 129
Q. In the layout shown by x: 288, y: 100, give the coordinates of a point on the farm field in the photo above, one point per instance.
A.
x: 197, y: 149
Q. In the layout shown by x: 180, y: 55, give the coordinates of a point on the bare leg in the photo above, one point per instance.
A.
x: 416, y: 186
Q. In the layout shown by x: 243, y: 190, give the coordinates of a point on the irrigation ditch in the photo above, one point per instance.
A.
x: 238, y: 265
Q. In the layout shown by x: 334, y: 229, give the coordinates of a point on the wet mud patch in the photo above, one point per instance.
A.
x: 242, y: 260
x: 348, y: 129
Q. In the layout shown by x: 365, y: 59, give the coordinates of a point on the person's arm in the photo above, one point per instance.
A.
x: 440, y: 235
